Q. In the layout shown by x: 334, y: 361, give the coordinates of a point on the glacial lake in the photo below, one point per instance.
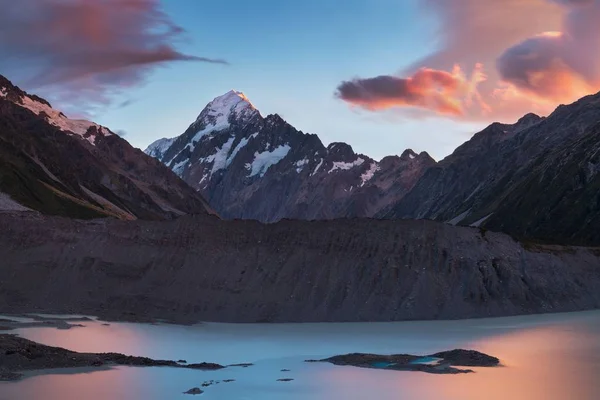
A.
x: 544, y: 357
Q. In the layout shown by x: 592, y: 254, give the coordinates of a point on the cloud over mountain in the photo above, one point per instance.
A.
x: 558, y: 66
x: 529, y: 54
x: 86, y: 50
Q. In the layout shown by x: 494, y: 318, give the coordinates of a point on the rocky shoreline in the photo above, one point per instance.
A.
x: 42, y: 322
x: 19, y: 355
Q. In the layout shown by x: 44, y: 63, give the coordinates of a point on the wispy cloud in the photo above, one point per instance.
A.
x: 86, y: 51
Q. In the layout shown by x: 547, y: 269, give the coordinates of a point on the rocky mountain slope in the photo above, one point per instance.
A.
x: 202, y: 268
x: 254, y: 167
x: 536, y: 179
x: 76, y: 168
x: 559, y: 199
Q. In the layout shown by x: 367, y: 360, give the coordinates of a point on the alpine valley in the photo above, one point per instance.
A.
x: 108, y: 230
x: 352, y: 225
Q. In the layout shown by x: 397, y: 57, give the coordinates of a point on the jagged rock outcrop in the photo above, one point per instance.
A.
x: 76, y: 168
x: 254, y: 167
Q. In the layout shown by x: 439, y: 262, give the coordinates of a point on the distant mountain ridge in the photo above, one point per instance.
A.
x: 504, y: 178
x: 77, y: 168
x: 538, y: 178
x: 254, y: 167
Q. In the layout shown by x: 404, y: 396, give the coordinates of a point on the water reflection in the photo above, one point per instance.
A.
x: 546, y: 358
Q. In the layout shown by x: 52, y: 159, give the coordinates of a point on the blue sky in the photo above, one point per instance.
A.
x: 381, y: 75
x: 288, y: 58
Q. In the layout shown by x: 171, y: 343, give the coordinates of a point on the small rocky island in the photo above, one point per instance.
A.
x: 18, y: 355
x: 439, y: 363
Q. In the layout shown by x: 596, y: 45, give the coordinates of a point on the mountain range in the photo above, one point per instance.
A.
x: 254, y: 167
x: 92, y: 225
x: 535, y: 179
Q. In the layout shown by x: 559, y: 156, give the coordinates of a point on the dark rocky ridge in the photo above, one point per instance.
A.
x: 202, y: 268
x: 219, y: 154
x: 537, y: 179
x: 83, y: 175
x: 559, y: 198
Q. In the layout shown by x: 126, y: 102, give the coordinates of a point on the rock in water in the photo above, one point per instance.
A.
x: 194, y: 391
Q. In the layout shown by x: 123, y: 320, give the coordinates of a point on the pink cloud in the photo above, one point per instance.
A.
x: 450, y: 93
x: 526, y: 68
x: 558, y: 66
x: 86, y: 50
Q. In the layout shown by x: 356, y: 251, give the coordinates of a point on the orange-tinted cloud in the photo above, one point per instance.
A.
x: 83, y: 48
x: 558, y: 66
x: 477, y: 31
x: 450, y: 93
x: 526, y: 69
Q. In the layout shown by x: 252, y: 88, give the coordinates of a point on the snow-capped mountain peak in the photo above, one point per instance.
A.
x: 263, y: 168
x: 231, y: 108
x: 232, y: 104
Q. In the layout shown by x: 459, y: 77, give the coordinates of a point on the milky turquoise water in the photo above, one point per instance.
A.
x: 549, y: 357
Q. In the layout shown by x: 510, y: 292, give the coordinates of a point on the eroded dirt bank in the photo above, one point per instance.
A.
x: 201, y: 268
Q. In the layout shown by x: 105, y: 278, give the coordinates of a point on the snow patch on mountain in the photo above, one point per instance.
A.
x: 160, y: 147
x: 239, y: 146
x: 318, y: 167
x: 263, y: 161
x: 341, y: 165
x: 179, y: 167
x: 217, y: 127
x: 76, y: 126
x: 219, y: 159
x: 3, y: 92
x: 203, y: 179
x: 300, y: 165
x: 368, y: 175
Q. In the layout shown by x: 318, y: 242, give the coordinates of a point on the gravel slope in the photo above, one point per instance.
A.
x: 202, y: 268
